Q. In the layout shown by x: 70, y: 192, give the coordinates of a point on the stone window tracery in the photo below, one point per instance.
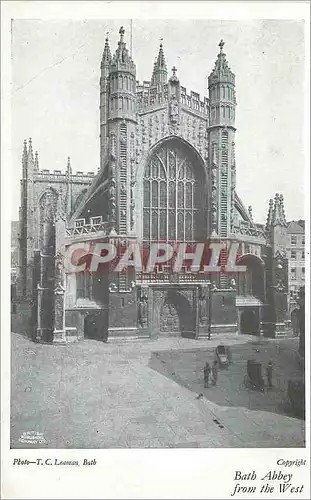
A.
x: 172, y: 195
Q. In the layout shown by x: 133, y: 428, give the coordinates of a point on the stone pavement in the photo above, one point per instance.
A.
x: 96, y: 395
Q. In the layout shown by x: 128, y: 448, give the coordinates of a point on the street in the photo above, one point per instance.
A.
x: 145, y: 395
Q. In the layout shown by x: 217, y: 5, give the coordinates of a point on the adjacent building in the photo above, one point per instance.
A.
x: 295, y: 249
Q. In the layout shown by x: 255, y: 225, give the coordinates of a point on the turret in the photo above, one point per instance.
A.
x: 159, y: 74
x: 120, y: 132
x: 221, y: 85
x: 36, y: 164
x: 122, y: 83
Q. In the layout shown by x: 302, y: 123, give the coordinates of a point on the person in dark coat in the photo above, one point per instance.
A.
x: 207, y: 372
x: 269, y: 372
x: 215, y: 372
x: 295, y: 321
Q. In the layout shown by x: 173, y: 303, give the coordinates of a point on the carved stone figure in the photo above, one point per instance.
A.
x: 203, y: 307
x: 112, y: 202
x: 143, y: 310
x: 59, y: 268
x: 112, y: 145
x: 174, y: 110
x: 112, y: 192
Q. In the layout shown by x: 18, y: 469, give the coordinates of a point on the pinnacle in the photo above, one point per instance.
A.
x: 221, y: 70
x: 36, y: 160
x: 106, y: 54
x: 269, y: 216
x: 30, y: 152
x: 159, y: 74
x: 161, y: 58
x: 278, y: 213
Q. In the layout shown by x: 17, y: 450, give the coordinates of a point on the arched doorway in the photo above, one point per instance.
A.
x: 177, y: 317
x: 249, y: 321
x: 252, y: 282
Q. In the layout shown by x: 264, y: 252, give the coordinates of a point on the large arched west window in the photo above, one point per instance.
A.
x: 173, y: 195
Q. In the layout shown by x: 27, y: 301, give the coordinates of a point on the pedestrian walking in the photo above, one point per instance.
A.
x: 207, y: 371
x: 214, y: 372
x: 269, y: 372
x: 295, y: 321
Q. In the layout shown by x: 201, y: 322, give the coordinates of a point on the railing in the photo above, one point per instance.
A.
x: 246, y: 229
x: 58, y: 175
x: 171, y: 277
x: 96, y: 225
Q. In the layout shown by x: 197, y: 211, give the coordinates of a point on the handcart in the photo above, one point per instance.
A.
x: 222, y: 356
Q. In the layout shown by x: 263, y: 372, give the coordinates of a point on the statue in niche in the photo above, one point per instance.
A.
x: 142, y: 309
x: 112, y: 200
x: 132, y: 207
x: 123, y: 55
x: 174, y: 109
x: 112, y: 171
x: 112, y: 145
x: 123, y: 189
x: 203, y: 307
x: 112, y: 192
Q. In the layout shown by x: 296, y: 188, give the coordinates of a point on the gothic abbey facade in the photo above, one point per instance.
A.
x: 167, y: 172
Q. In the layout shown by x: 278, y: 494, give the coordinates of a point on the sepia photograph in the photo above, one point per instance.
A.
x: 159, y: 239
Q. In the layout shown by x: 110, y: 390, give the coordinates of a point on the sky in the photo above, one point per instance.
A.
x: 55, y: 94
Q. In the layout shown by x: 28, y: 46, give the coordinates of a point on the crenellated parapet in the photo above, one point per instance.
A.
x: 150, y: 97
x: 194, y: 102
x: 46, y: 175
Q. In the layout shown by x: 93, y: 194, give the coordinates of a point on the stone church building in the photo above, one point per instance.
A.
x: 167, y: 173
